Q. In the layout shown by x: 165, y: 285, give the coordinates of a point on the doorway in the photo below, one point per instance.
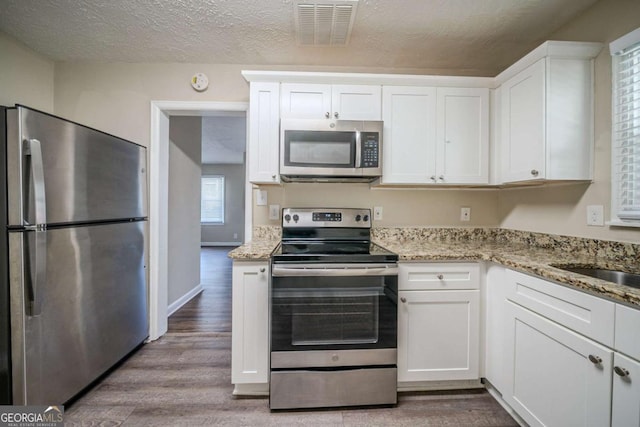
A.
x: 159, y: 200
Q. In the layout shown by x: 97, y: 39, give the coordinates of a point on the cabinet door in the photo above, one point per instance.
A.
x: 356, y: 102
x: 551, y: 379
x: 463, y: 136
x: 305, y: 101
x: 523, y: 125
x: 250, y: 317
x: 438, y: 335
x: 626, y: 392
x: 409, y: 151
x: 264, y: 128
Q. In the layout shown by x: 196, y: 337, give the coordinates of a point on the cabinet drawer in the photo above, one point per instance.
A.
x: 588, y: 315
x: 627, y: 327
x: 442, y: 276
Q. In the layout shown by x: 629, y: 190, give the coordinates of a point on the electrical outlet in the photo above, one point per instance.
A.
x: 377, y: 213
x: 274, y: 212
x: 465, y: 214
x: 595, y: 215
x: 235, y: 236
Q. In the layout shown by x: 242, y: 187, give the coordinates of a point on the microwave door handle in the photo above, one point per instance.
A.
x: 358, y: 162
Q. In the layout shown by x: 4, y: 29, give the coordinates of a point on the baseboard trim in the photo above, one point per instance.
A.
x: 220, y: 243
x: 498, y: 398
x: 183, y: 300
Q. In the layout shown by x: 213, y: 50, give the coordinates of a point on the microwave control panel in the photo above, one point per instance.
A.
x: 370, y: 149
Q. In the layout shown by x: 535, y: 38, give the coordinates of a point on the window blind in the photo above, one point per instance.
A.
x: 626, y: 144
x: 212, y: 200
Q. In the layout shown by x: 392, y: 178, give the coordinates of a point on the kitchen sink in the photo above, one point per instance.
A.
x: 619, y: 277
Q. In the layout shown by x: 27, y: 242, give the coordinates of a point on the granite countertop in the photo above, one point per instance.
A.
x: 525, y: 258
x: 533, y: 253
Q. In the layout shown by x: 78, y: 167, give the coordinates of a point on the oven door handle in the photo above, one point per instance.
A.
x: 334, y: 270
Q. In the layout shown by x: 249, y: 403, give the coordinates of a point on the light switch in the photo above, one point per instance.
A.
x: 261, y: 197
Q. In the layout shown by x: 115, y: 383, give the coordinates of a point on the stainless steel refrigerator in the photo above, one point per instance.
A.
x: 73, y: 299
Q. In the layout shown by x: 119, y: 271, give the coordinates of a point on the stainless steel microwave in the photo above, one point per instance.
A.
x: 330, y: 150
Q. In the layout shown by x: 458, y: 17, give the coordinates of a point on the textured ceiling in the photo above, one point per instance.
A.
x: 477, y: 37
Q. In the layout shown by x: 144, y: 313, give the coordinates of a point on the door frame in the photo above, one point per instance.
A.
x: 159, y: 198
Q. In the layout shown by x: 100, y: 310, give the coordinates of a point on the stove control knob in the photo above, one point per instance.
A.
x: 366, y: 218
x: 287, y: 217
x: 358, y: 218
x: 295, y: 218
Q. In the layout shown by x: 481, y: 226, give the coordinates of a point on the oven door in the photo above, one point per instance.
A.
x: 333, y: 307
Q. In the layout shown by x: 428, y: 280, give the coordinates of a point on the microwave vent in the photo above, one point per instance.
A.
x: 323, y: 23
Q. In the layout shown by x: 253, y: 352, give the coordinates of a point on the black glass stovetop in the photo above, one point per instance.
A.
x: 335, y: 251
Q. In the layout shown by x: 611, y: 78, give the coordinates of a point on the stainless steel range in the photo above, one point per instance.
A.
x: 333, y: 312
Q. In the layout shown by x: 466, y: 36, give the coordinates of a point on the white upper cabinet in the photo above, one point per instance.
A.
x: 435, y: 135
x: 324, y: 101
x: 409, y: 136
x: 546, y: 130
x: 462, y: 146
x: 264, y: 132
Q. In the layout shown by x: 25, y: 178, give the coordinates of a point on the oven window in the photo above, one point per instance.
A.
x: 315, y: 313
x: 333, y: 316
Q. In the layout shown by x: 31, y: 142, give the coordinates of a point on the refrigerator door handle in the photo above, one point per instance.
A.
x: 37, y: 275
x: 33, y: 149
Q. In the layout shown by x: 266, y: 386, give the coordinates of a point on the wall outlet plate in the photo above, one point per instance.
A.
x: 377, y: 213
x: 261, y: 197
x: 274, y: 212
x: 465, y: 214
x: 595, y: 215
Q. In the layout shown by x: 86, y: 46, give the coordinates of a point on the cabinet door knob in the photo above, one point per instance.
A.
x: 596, y: 360
x: 534, y: 172
x: 433, y: 178
x: 403, y: 299
x: 273, y: 177
x: 262, y: 270
x: 335, y: 114
x: 621, y: 371
x: 441, y: 177
x: 327, y: 114
x: 440, y: 276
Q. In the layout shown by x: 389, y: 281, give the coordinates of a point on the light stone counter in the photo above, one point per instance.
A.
x: 533, y: 253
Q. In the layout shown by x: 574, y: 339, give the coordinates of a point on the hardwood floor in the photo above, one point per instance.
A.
x: 184, y: 379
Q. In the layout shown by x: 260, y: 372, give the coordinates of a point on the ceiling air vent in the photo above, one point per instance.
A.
x: 324, y: 23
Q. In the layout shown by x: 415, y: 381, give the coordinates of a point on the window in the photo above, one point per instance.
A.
x: 212, y: 200
x: 625, y: 146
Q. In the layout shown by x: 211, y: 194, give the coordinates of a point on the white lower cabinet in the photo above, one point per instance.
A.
x: 555, y: 376
x: 625, y: 409
x: 438, y: 323
x: 250, y: 328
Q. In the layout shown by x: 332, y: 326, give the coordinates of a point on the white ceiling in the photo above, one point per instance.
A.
x: 477, y: 37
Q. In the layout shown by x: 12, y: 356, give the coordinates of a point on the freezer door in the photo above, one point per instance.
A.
x: 92, y: 307
x: 78, y: 173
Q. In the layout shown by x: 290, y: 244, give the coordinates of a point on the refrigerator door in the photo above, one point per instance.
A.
x: 83, y: 174
x: 92, y: 304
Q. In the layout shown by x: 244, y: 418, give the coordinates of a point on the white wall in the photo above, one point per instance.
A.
x: 184, y: 206
x: 25, y: 76
x: 233, y: 206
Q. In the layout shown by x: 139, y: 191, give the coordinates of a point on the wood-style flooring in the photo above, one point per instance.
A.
x: 184, y: 379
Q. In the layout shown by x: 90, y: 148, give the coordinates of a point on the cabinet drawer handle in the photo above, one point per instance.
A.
x: 327, y: 114
x: 621, y: 371
x: 403, y: 299
x: 596, y: 360
x: 440, y: 276
x: 534, y: 172
x: 262, y: 270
